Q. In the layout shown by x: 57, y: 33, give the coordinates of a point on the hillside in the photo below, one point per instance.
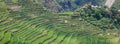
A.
x: 44, y: 22
x: 69, y: 5
x: 117, y: 4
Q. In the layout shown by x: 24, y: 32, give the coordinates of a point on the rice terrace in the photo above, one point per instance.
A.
x: 59, y: 21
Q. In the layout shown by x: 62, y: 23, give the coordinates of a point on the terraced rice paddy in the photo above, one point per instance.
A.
x: 38, y: 31
x: 30, y: 22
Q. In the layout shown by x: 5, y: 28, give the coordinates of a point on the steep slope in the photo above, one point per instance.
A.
x: 29, y: 22
x: 69, y: 5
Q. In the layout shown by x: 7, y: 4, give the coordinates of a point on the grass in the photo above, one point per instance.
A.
x: 6, y: 38
x: 51, y: 39
x: 14, y: 1
x: 2, y: 19
x: 67, y: 13
x: 2, y: 34
x: 114, y: 40
x: 27, y: 25
x: 33, y: 29
x: 73, y: 40
x: 16, y: 39
x: 42, y: 39
x: 34, y: 34
x: 59, y: 38
x: 66, y: 40
x: 8, y: 26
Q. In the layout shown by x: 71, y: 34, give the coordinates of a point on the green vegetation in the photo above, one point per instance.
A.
x: 14, y: 1
x: 117, y: 4
x: 6, y: 38
x: 30, y: 22
x: 66, y: 13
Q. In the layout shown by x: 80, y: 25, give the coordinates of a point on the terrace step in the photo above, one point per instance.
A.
x: 59, y: 38
x: 52, y: 38
x: 6, y: 38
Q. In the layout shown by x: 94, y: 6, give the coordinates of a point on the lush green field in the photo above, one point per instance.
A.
x: 28, y: 22
x: 66, y: 13
x: 37, y: 31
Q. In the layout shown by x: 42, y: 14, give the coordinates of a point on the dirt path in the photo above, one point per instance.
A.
x: 109, y: 3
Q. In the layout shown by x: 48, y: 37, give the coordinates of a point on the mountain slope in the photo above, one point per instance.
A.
x: 69, y: 5
x: 117, y: 4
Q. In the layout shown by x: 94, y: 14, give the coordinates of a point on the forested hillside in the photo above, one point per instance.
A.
x: 67, y: 5
x: 71, y: 5
x: 117, y: 4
